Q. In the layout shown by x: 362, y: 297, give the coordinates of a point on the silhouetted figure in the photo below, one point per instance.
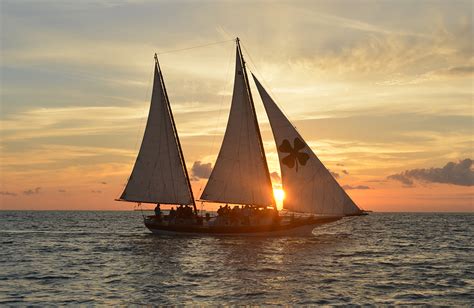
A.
x: 157, y: 210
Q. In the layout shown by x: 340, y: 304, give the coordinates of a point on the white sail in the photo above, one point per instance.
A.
x: 240, y: 174
x: 159, y: 174
x: 309, y: 187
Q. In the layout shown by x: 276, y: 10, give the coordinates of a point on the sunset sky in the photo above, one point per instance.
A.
x: 382, y: 91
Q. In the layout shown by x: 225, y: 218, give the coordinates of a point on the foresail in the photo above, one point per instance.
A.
x: 240, y: 174
x: 309, y: 187
x: 159, y: 174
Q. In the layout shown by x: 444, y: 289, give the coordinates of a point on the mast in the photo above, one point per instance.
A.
x: 252, y: 105
x: 183, y: 162
x: 240, y: 174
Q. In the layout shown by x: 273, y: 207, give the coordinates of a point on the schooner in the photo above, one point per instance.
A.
x: 240, y: 175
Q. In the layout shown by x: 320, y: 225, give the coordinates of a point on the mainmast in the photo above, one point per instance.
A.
x: 240, y: 174
x: 183, y: 162
x: 252, y: 105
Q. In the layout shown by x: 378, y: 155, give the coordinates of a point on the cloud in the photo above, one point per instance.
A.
x: 355, y: 187
x: 345, y: 172
x: 458, y: 71
x: 275, y: 177
x: 460, y: 173
x: 334, y: 174
x: 61, y: 190
x: 8, y: 193
x: 439, y: 74
x: 200, y: 170
x: 354, y: 24
x: 96, y: 191
x: 69, y: 121
x: 34, y: 191
x: 103, y: 183
x: 407, y: 182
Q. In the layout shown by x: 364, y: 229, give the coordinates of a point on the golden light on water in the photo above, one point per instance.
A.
x: 279, y: 197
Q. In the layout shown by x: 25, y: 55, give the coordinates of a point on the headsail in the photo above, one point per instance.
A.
x: 240, y: 174
x: 159, y: 174
x: 309, y: 186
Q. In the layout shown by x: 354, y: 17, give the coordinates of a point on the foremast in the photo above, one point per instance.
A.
x: 178, y: 142
x: 159, y: 174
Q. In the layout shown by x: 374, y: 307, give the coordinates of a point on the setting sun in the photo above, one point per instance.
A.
x: 279, y: 197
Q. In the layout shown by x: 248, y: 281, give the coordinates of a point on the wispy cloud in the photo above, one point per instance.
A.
x: 33, y: 191
x: 354, y: 24
x: 8, y: 193
x: 43, y: 156
x: 348, y: 187
x: 70, y: 121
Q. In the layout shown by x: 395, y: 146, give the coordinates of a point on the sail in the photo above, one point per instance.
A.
x: 309, y: 187
x: 159, y: 174
x: 240, y: 174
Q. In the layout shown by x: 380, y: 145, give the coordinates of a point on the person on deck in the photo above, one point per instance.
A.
x: 157, y: 210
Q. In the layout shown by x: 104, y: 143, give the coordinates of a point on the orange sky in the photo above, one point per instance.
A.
x: 381, y: 91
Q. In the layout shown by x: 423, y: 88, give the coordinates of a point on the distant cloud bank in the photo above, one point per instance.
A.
x: 460, y: 173
x: 200, y: 170
x: 355, y: 187
x: 8, y: 193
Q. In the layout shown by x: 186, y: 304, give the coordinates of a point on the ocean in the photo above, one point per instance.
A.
x: 110, y: 258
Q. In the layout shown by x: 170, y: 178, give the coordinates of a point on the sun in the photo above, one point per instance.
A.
x: 279, y: 197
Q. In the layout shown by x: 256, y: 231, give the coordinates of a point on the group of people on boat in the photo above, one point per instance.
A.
x: 182, y: 211
x: 246, y: 215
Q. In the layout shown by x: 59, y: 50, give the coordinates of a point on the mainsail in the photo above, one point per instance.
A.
x: 309, y: 187
x: 159, y: 174
x: 240, y: 174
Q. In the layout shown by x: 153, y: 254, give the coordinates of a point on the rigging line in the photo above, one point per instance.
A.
x: 267, y: 86
x: 193, y: 47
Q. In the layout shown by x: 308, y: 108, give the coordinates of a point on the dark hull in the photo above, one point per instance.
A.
x: 299, y: 226
x: 359, y: 214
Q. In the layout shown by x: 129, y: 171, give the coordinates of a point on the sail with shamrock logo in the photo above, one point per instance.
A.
x: 309, y: 187
x: 240, y: 174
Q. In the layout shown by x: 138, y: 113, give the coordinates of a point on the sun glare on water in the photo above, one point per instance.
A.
x: 279, y: 197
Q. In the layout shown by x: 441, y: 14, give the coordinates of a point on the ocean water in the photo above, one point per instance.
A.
x: 59, y: 258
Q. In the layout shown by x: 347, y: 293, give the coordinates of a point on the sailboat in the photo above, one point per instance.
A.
x: 240, y: 175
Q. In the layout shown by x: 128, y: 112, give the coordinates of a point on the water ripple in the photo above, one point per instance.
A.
x: 80, y: 258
